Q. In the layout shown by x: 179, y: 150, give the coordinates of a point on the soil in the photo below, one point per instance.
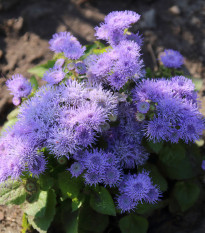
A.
x: 27, y: 25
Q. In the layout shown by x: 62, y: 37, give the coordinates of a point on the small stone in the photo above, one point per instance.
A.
x: 18, y: 24
x: 1, y: 54
x: 174, y: 10
x: 195, y: 21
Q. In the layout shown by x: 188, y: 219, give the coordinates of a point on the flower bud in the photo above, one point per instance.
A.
x: 139, y: 116
x: 62, y: 160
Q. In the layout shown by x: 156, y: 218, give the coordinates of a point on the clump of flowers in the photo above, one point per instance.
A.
x: 19, y: 87
x: 172, y: 58
x: 95, y: 113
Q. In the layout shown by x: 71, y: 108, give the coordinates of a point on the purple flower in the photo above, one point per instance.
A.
x: 90, y: 115
x: 104, y: 99
x: 172, y: 59
x: 121, y: 19
x: 16, y: 101
x: 19, y: 86
x: 38, y: 165
x: 138, y: 186
x: 65, y: 42
x: 112, y: 30
x: 71, y: 66
x: 125, y: 203
x: 76, y: 169
x: 136, y: 38
x: 95, y: 161
x: 84, y: 135
x: 92, y: 178
x: 153, y: 195
x: 80, y: 68
x: 116, y: 66
x: 62, y: 142
x: 59, y: 63
x: 143, y: 107
x: 59, y: 41
x: 54, y: 76
x: 175, y: 111
x: 74, y: 50
x: 111, y: 176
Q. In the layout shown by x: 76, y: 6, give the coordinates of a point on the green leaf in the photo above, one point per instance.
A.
x: 155, y: 147
x: 13, y: 114
x: 77, y: 202
x: 133, y: 224
x: 172, y: 153
x: 69, y: 186
x: 102, y: 202
x: 70, y: 221
x: 37, y: 208
x: 12, y: 193
x: 185, y: 168
x: 42, y: 224
x: 91, y: 221
x: 26, y: 227
x: 147, y: 208
x: 69, y: 218
x: 186, y: 194
x: 41, y: 69
x: 34, y: 82
x: 156, y: 176
x: 46, y: 182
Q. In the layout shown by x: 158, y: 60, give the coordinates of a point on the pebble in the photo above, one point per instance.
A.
x: 174, y: 10
x: 1, y: 53
x: 195, y: 21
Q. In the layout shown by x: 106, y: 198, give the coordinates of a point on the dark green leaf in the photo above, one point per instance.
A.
x: 156, y: 177
x: 70, y: 221
x: 185, y: 168
x: 91, y: 221
x: 146, y: 208
x: 186, y: 193
x: 172, y: 154
x: 155, y: 147
x: 46, y: 182
x: 102, y: 202
x: 69, y: 186
x: 77, y: 202
x: 133, y: 224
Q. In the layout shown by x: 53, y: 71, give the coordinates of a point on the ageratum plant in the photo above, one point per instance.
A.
x: 94, y: 149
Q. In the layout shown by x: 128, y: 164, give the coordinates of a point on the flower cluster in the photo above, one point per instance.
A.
x: 64, y: 118
x: 173, y: 113
x: 64, y: 42
x: 19, y: 86
x: 136, y: 188
x: 95, y: 111
x: 112, y: 30
x: 172, y: 59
